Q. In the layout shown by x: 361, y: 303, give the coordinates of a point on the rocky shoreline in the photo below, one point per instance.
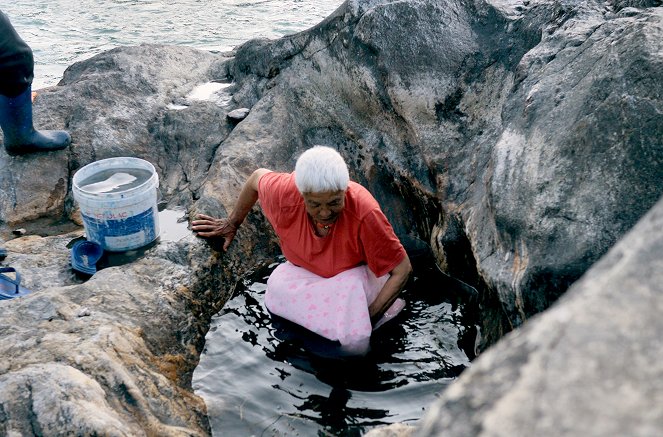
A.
x: 520, y: 140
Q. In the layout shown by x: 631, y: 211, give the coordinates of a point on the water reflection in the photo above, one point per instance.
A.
x: 262, y: 375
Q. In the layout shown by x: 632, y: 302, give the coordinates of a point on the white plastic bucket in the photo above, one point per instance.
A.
x: 119, y: 220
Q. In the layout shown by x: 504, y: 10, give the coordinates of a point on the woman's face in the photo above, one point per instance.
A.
x: 324, y: 207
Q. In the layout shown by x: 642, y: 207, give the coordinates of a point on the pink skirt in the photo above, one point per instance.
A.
x: 335, y: 308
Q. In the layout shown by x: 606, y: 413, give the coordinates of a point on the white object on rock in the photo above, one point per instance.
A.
x: 238, y: 114
x: 84, y: 312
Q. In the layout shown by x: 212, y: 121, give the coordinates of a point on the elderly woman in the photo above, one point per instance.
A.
x: 345, y: 266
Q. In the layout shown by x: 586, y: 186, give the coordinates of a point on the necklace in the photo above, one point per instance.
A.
x: 321, y: 226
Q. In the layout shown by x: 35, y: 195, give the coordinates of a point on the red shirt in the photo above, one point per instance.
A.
x: 361, y: 235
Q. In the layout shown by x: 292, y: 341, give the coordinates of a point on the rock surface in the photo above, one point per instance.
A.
x: 518, y: 140
x: 109, y: 356
x: 588, y: 366
x: 112, y: 355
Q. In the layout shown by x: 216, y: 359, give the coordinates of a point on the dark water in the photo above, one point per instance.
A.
x: 261, y: 375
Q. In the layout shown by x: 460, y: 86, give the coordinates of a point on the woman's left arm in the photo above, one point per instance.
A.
x: 391, y: 289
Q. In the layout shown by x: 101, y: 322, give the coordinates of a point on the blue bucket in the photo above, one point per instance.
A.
x: 118, y: 202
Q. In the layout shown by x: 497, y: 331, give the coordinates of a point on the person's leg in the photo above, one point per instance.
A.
x: 20, y: 136
x: 372, y: 287
x: 16, y: 61
x: 16, y: 71
x: 291, y: 294
x: 335, y: 308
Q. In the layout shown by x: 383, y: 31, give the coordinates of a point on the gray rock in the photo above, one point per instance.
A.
x: 588, y: 366
x: 587, y: 169
x: 56, y: 397
x: 238, y: 114
x: 109, y: 356
x: 619, y: 5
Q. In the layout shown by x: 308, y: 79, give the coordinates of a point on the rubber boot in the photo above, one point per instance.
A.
x: 20, y: 136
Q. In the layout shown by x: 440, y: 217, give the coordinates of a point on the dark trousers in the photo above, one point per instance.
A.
x: 16, y: 61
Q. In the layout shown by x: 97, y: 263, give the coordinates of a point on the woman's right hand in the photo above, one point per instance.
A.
x: 209, y: 227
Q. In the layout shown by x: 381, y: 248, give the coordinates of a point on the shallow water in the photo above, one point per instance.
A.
x: 265, y: 376
x: 61, y: 32
x: 174, y: 225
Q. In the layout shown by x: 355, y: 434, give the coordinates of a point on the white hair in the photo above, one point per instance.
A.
x: 321, y: 169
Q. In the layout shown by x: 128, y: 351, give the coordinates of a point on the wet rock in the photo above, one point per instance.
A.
x: 590, y: 365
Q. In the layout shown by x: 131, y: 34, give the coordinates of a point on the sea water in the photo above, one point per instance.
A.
x: 62, y: 32
x: 262, y: 375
